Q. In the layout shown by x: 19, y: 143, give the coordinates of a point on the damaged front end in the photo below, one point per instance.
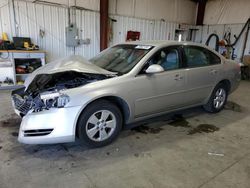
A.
x: 45, y: 90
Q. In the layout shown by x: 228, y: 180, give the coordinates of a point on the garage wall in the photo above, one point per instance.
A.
x: 5, y: 20
x: 227, y: 11
x: 183, y: 11
x: 150, y: 29
x: 46, y: 24
x: 222, y: 16
x: 33, y: 19
x: 220, y: 30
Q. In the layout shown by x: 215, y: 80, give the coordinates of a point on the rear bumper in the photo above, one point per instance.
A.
x: 235, y: 82
x: 61, y: 121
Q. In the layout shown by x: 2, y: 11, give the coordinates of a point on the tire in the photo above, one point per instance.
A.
x: 217, y: 100
x: 99, y: 124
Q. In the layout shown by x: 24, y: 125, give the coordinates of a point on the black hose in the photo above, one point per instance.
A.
x: 217, y: 41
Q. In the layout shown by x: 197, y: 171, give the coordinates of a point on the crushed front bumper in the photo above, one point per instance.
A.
x: 56, y: 125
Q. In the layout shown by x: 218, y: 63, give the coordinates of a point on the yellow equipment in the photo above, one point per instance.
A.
x: 5, y: 37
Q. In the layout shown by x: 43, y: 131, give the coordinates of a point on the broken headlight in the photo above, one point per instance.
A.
x: 56, y: 99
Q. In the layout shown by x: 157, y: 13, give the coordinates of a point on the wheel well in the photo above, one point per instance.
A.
x: 119, y: 102
x: 227, y: 84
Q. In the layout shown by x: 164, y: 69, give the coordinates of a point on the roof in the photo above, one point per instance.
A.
x: 163, y: 42
x: 160, y: 43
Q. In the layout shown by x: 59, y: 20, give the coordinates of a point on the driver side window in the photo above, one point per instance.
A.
x: 168, y: 58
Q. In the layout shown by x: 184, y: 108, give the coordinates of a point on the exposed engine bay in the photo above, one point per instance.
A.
x: 44, y: 90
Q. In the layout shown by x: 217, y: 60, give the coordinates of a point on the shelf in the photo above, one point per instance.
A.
x: 23, y: 74
x: 7, y: 86
x: 11, y: 87
x: 24, y: 59
x: 6, y: 67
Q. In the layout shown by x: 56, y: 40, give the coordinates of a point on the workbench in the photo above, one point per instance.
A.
x: 16, y: 65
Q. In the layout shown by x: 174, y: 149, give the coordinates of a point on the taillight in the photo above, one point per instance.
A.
x: 238, y: 66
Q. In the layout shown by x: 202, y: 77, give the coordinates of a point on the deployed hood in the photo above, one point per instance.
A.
x: 71, y: 63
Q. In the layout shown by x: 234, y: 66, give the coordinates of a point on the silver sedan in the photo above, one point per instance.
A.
x: 93, y: 100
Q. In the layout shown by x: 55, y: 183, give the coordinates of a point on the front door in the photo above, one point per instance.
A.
x: 164, y: 91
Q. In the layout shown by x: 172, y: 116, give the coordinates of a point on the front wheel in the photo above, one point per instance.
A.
x: 217, y: 100
x: 99, y: 124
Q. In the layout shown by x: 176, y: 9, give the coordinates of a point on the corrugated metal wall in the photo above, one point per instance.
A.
x: 33, y: 19
x: 5, y: 20
x: 220, y: 30
x: 227, y: 12
x: 150, y: 29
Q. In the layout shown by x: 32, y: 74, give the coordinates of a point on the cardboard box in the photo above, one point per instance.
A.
x: 246, y: 60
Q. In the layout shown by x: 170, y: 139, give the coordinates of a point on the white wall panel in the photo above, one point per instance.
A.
x: 53, y: 20
x: 3, y: 3
x: 88, y: 4
x: 89, y: 25
x: 235, y: 30
x: 124, y: 24
x: 182, y: 11
x: 198, y: 34
x: 164, y: 30
x: 227, y: 11
x: 125, y: 8
x: 5, y: 18
x: 186, y: 11
x: 150, y: 29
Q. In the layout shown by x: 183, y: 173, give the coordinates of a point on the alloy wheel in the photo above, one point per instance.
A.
x: 220, y: 98
x: 101, y: 125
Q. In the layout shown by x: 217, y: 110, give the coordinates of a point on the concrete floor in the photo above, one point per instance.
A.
x: 159, y: 157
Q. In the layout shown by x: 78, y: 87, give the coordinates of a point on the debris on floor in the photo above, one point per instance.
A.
x: 11, y: 122
x: 233, y: 106
x: 206, y: 128
x: 136, y: 154
x: 64, y: 148
x: 14, y: 134
x: 145, y: 129
x: 143, y: 154
x: 216, y: 154
x: 179, y: 121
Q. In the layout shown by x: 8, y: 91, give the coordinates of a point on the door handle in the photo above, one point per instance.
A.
x: 178, y: 77
x: 213, y: 71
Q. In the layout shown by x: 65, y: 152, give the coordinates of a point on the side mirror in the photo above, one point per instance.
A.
x: 152, y: 69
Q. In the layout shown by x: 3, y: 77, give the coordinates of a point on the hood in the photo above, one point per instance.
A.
x: 71, y: 63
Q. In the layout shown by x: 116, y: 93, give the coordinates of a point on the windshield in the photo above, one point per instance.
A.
x: 121, y: 58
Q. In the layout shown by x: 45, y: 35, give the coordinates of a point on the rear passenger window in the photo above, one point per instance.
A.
x: 213, y: 59
x: 198, y: 57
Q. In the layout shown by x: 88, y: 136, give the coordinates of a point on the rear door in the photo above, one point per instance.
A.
x: 202, y: 68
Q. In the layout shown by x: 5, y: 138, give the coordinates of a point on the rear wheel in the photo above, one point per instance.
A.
x: 217, y: 100
x: 99, y: 124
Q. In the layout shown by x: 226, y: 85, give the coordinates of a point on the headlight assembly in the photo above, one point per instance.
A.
x: 61, y: 101
x: 54, y: 99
